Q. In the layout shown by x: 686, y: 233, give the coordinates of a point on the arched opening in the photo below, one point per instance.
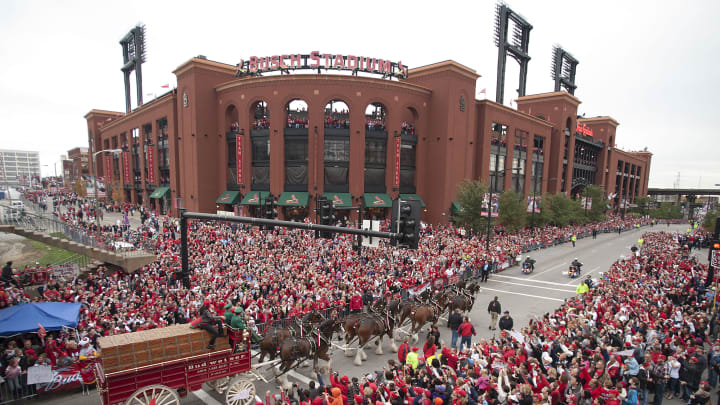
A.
x: 409, y: 119
x: 259, y: 119
x: 408, y: 150
x: 375, y: 117
x: 337, y: 115
x: 336, y: 151
x: 231, y: 119
x: 376, y: 138
x: 296, y: 146
x: 295, y: 139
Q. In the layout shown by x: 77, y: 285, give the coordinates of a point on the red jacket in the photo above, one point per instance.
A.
x: 466, y: 329
x: 356, y: 303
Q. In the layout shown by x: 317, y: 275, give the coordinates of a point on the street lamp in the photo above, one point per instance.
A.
x: 532, y: 216
x: 113, y: 151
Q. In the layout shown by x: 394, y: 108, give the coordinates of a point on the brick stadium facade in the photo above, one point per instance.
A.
x: 222, y: 142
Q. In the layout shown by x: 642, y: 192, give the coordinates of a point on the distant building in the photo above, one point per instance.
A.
x: 355, y: 140
x: 79, y: 164
x: 19, y: 167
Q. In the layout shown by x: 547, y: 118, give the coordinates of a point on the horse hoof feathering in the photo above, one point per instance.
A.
x: 358, y: 358
x: 378, y: 346
x: 363, y: 355
x: 415, y: 338
x: 348, y: 352
x: 393, y: 346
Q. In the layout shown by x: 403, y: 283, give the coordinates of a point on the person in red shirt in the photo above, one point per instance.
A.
x: 466, y: 331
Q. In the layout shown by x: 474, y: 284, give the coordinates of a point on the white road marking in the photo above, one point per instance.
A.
x: 545, y: 271
x: 205, y: 397
x: 526, y: 295
x: 300, y: 377
x: 525, y: 279
x: 534, y: 286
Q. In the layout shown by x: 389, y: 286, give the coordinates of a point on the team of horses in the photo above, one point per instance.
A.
x: 311, y: 337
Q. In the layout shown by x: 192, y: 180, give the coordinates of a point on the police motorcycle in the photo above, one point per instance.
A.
x: 574, y: 269
x: 528, y: 265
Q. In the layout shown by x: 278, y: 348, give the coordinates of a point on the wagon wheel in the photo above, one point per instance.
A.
x: 241, y: 391
x: 154, y: 395
x: 220, y: 384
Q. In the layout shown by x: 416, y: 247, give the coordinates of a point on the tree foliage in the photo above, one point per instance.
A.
x: 470, y: 197
x: 709, y: 221
x: 512, y: 210
x: 79, y: 188
x: 667, y: 210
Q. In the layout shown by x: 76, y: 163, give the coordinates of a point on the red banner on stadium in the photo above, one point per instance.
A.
x: 108, y: 169
x: 151, y: 164
x: 239, y: 158
x: 126, y: 167
x: 398, y: 146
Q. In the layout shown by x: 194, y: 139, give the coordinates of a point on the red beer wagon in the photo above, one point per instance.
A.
x: 156, y: 367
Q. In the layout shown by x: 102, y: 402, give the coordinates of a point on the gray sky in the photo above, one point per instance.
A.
x: 648, y: 64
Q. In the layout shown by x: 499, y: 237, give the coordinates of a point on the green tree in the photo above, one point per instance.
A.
x: 512, y: 210
x: 709, y: 221
x: 559, y: 209
x: 643, y: 203
x: 597, y: 195
x: 470, y: 197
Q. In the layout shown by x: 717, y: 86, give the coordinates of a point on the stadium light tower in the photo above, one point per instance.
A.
x: 563, y: 70
x: 133, y: 47
x: 517, y: 47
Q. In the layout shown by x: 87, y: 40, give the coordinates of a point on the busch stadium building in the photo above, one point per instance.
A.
x: 357, y: 130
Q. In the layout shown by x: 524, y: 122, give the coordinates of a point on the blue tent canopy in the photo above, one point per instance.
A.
x: 25, y: 318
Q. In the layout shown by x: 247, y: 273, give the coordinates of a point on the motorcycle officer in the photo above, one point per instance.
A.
x: 529, y: 264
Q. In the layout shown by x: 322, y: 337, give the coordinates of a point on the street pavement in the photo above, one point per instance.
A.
x: 525, y: 296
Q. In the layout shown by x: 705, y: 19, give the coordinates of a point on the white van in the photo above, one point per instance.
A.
x: 18, y: 205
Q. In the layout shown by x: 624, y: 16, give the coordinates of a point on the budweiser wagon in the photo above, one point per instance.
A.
x: 156, y: 367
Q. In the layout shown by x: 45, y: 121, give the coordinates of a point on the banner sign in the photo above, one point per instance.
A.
x: 239, y: 158
x: 398, y: 145
x: 126, y: 167
x: 70, y: 377
x: 492, y: 200
x: 108, y: 168
x: 66, y: 271
x: 586, y: 203
x: 316, y: 60
x: 150, y: 164
x: 533, y: 204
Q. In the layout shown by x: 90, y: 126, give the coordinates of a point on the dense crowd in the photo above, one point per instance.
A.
x: 284, y: 273
x: 644, y: 329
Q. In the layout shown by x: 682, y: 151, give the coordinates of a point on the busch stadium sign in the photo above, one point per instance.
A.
x: 256, y: 65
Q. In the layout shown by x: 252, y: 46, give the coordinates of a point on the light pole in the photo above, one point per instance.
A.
x: 92, y: 161
x: 532, y: 216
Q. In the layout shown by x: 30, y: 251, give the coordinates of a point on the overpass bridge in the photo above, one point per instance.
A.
x: 41, y: 228
x: 684, y: 191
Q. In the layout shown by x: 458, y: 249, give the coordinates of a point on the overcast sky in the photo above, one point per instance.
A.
x: 651, y: 65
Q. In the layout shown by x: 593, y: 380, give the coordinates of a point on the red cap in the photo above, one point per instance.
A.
x: 344, y: 379
x: 415, y: 348
x: 693, y: 359
x: 206, y: 303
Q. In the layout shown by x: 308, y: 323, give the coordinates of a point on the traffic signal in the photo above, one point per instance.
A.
x: 405, y: 220
x: 269, y: 211
x: 327, y: 216
x: 714, y: 260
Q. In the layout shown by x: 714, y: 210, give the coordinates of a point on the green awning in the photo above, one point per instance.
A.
x: 339, y: 200
x: 159, y: 192
x: 377, y: 200
x: 293, y: 199
x: 455, y: 208
x: 255, y: 197
x: 228, y: 197
x: 412, y: 197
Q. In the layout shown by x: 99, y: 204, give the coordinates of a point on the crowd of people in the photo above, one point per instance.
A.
x: 646, y: 330
x: 283, y: 274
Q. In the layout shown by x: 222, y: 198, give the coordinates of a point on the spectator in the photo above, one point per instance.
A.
x: 506, y: 322
x: 454, y: 321
x: 494, y: 311
x: 466, y: 332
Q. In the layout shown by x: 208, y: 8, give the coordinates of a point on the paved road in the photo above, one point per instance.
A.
x: 524, y: 296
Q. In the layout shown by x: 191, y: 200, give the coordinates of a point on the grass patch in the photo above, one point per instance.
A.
x: 49, y: 254
x: 59, y: 235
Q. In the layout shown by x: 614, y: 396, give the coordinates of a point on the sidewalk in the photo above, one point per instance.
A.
x: 109, y: 218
